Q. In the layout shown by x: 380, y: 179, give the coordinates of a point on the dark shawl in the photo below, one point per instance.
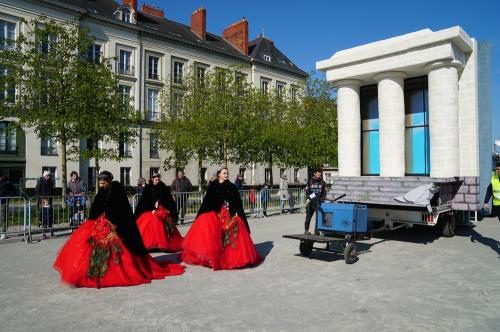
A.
x: 114, y: 203
x: 152, y: 194
x: 217, y: 193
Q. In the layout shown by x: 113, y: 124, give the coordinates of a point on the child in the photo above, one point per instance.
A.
x: 291, y: 202
x: 47, y: 218
x: 251, y: 199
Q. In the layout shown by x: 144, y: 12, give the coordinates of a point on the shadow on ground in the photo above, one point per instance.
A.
x: 476, y: 237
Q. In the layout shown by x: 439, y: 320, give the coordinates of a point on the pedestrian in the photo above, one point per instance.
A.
x: 141, y: 183
x: 220, y: 237
x: 46, y: 218
x: 181, y: 186
x: 251, y: 199
x: 264, y: 198
x: 238, y: 182
x: 7, y: 189
x: 44, y: 190
x: 493, y: 191
x: 107, y: 249
x: 291, y: 202
x: 156, y: 214
x: 315, y: 193
x: 76, y: 198
x: 283, y: 192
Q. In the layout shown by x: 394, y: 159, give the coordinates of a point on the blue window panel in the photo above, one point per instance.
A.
x: 417, y: 150
x: 371, y: 153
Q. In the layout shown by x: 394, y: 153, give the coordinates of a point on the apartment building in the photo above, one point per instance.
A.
x: 151, y: 51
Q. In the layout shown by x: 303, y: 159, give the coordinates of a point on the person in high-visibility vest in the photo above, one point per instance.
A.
x: 494, y: 190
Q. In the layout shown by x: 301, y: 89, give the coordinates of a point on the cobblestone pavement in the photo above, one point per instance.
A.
x: 408, y: 280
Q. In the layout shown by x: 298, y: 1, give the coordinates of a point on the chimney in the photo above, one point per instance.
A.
x: 199, y: 22
x: 237, y: 35
x: 132, y: 4
x: 151, y: 10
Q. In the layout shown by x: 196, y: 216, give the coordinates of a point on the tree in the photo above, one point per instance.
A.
x: 60, y: 91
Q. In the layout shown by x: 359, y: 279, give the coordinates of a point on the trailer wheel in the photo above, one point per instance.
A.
x: 449, y: 226
x: 350, y: 253
x: 305, y: 248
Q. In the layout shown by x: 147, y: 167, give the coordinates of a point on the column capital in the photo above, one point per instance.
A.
x: 443, y: 64
x: 390, y: 74
x: 344, y: 83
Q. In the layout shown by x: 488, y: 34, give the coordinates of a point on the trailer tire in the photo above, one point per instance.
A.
x: 449, y: 226
x: 351, y: 253
x: 305, y: 248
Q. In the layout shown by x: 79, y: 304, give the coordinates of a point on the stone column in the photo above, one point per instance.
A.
x: 443, y: 118
x: 349, y: 127
x: 391, y: 112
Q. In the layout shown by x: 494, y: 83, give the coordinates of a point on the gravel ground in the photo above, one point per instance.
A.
x: 406, y: 280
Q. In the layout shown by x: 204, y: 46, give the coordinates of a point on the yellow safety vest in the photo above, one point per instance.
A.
x: 495, y: 186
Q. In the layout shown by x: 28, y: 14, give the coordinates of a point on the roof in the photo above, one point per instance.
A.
x: 261, y: 47
x: 164, y: 28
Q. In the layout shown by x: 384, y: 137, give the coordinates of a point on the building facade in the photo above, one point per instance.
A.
x: 151, y: 51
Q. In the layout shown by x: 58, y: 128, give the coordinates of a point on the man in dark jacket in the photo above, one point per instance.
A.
x: 180, y: 187
x: 7, y: 189
x: 315, y: 193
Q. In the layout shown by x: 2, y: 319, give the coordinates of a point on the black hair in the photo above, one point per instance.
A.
x: 105, y: 176
x: 72, y: 173
x: 497, y: 164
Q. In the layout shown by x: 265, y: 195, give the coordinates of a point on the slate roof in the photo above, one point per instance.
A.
x: 181, y: 33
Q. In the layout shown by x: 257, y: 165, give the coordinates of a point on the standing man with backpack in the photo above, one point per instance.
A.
x: 315, y: 193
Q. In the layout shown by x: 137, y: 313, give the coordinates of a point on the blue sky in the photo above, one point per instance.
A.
x: 308, y: 31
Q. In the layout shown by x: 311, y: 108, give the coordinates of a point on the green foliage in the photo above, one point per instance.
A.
x: 61, y: 93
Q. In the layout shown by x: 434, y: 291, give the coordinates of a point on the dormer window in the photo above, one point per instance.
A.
x: 267, y: 58
x: 126, y: 15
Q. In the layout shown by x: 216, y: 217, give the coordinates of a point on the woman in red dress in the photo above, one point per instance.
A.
x: 107, y: 249
x: 156, y: 214
x: 220, y: 237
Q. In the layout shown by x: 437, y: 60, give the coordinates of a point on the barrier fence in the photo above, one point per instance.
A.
x: 40, y: 217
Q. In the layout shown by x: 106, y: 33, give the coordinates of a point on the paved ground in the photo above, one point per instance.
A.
x: 404, y: 281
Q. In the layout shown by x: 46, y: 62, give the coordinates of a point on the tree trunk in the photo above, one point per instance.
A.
x: 96, y: 175
x: 200, y: 164
x: 225, y: 153
x: 64, y: 165
x: 270, y: 160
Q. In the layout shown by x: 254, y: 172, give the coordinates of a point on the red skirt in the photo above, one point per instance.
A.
x: 158, y: 231
x: 94, y: 256
x: 219, y: 242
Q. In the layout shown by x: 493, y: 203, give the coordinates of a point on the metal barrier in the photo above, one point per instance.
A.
x: 50, y: 214
x: 271, y: 201
x: 13, y: 217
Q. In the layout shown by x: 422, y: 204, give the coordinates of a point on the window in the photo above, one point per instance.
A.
x: 153, y: 107
x: 264, y: 85
x: 7, y: 35
x: 282, y: 172
x: 125, y: 15
x: 125, y: 63
x: 153, y: 170
x: 370, y: 130
x: 7, y: 88
x: 280, y: 89
x: 296, y: 175
x: 125, y: 176
x: 293, y: 93
x: 200, y: 75
x: 125, y: 91
x: 267, y: 57
x: 49, y: 146
x: 178, y: 72
x: 177, y: 103
x: 242, y: 171
x: 417, y: 141
x: 125, y: 149
x: 94, y: 53
x: 8, y: 138
x: 92, y: 144
x: 52, y: 171
x: 154, y: 150
x: 47, y: 43
x: 153, y: 71
x: 91, y: 177
x: 267, y: 175
x: 203, y: 175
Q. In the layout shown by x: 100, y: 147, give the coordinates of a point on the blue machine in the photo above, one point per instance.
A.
x: 342, y: 218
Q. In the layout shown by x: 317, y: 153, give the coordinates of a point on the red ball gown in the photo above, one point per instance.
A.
x: 219, y: 237
x: 107, y: 250
x: 157, y: 225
